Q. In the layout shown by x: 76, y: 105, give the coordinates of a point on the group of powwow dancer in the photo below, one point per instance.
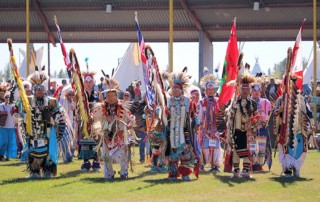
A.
x: 186, y: 132
x: 186, y: 127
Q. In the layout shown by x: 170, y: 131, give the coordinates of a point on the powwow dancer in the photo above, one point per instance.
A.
x: 264, y: 107
x: 68, y: 142
x: 208, y: 136
x: 156, y: 114
x: 44, y: 123
x: 195, y: 93
x: 156, y: 130
x: 113, y: 120
x: 242, y: 117
x: 47, y: 114
x: 86, y: 96
x: 182, y: 158
x: 294, y: 123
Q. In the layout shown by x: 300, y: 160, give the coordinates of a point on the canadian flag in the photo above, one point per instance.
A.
x: 296, y: 64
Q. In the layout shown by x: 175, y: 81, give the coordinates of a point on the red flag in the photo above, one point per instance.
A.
x: 297, y: 69
x: 230, y: 68
x: 296, y: 62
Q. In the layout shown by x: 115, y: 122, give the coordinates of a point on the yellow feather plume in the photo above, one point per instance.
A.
x: 23, y: 95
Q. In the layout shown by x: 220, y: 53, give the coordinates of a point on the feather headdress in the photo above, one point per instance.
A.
x: 208, y: 81
x: 181, y: 80
x: 111, y: 83
x: 38, y: 78
x: 247, y: 80
x: 166, y: 78
x: 88, y: 75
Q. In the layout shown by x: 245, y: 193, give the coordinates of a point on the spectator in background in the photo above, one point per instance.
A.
x: 2, y: 92
x: 271, y: 90
x: 8, y: 143
x: 102, y: 87
x: 137, y: 91
x: 58, y: 91
x: 27, y: 87
x: 52, y: 89
x: 126, y: 97
x: 130, y: 89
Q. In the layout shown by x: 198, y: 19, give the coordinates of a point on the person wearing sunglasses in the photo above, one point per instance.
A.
x: 126, y: 96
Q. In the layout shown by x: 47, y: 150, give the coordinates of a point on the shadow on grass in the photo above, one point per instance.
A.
x: 74, y: 173
x: 23, y: 180
x: 12, y: 164
x: 16, y: 181
x: 285, y: 181
x: 232, y: 181
x: 117, y: 178
x: 166, y: 181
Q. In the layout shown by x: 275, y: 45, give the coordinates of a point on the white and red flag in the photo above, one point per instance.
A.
x: 297, y: 68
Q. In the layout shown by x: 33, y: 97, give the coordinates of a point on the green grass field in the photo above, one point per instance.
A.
x: 73, y: 185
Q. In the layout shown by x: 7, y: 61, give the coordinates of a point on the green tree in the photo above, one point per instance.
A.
x: 278, y: 69
x: 54, y: 74
x: 7, y: 72
x: 60, y: 74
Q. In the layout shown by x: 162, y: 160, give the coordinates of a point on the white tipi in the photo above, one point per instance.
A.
x: 308, y: 72
x: 256, y: 68
x: 130, y: 68
x: 35, y: 60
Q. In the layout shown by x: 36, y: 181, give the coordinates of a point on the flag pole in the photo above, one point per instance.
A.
x: 171, y: 36
x: 27, y: 35
x: 315, y: 58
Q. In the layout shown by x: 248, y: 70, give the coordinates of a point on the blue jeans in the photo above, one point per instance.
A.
x: 143, y: 144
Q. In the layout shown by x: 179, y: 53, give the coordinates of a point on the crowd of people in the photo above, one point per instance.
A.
x: 180, y: 128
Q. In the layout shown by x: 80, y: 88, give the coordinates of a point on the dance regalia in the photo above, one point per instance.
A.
x: 41, y: 152
x: 264, y: 107
x: 244, y: 109
x: 242, y: 122
x: 293, y: 146
x: 157, y: 113
x: 208, y: 136
x: 156, y: 131
x: 47, y: 126
x: 182, y: 158
x: 113, y: 124
x: 116, y: 135
x: 180, y: 140
x: 87, y: 145
x: 68, y: 142
x: 293, y: 124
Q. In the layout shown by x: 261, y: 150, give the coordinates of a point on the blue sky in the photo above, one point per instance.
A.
x: 106, y: 55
